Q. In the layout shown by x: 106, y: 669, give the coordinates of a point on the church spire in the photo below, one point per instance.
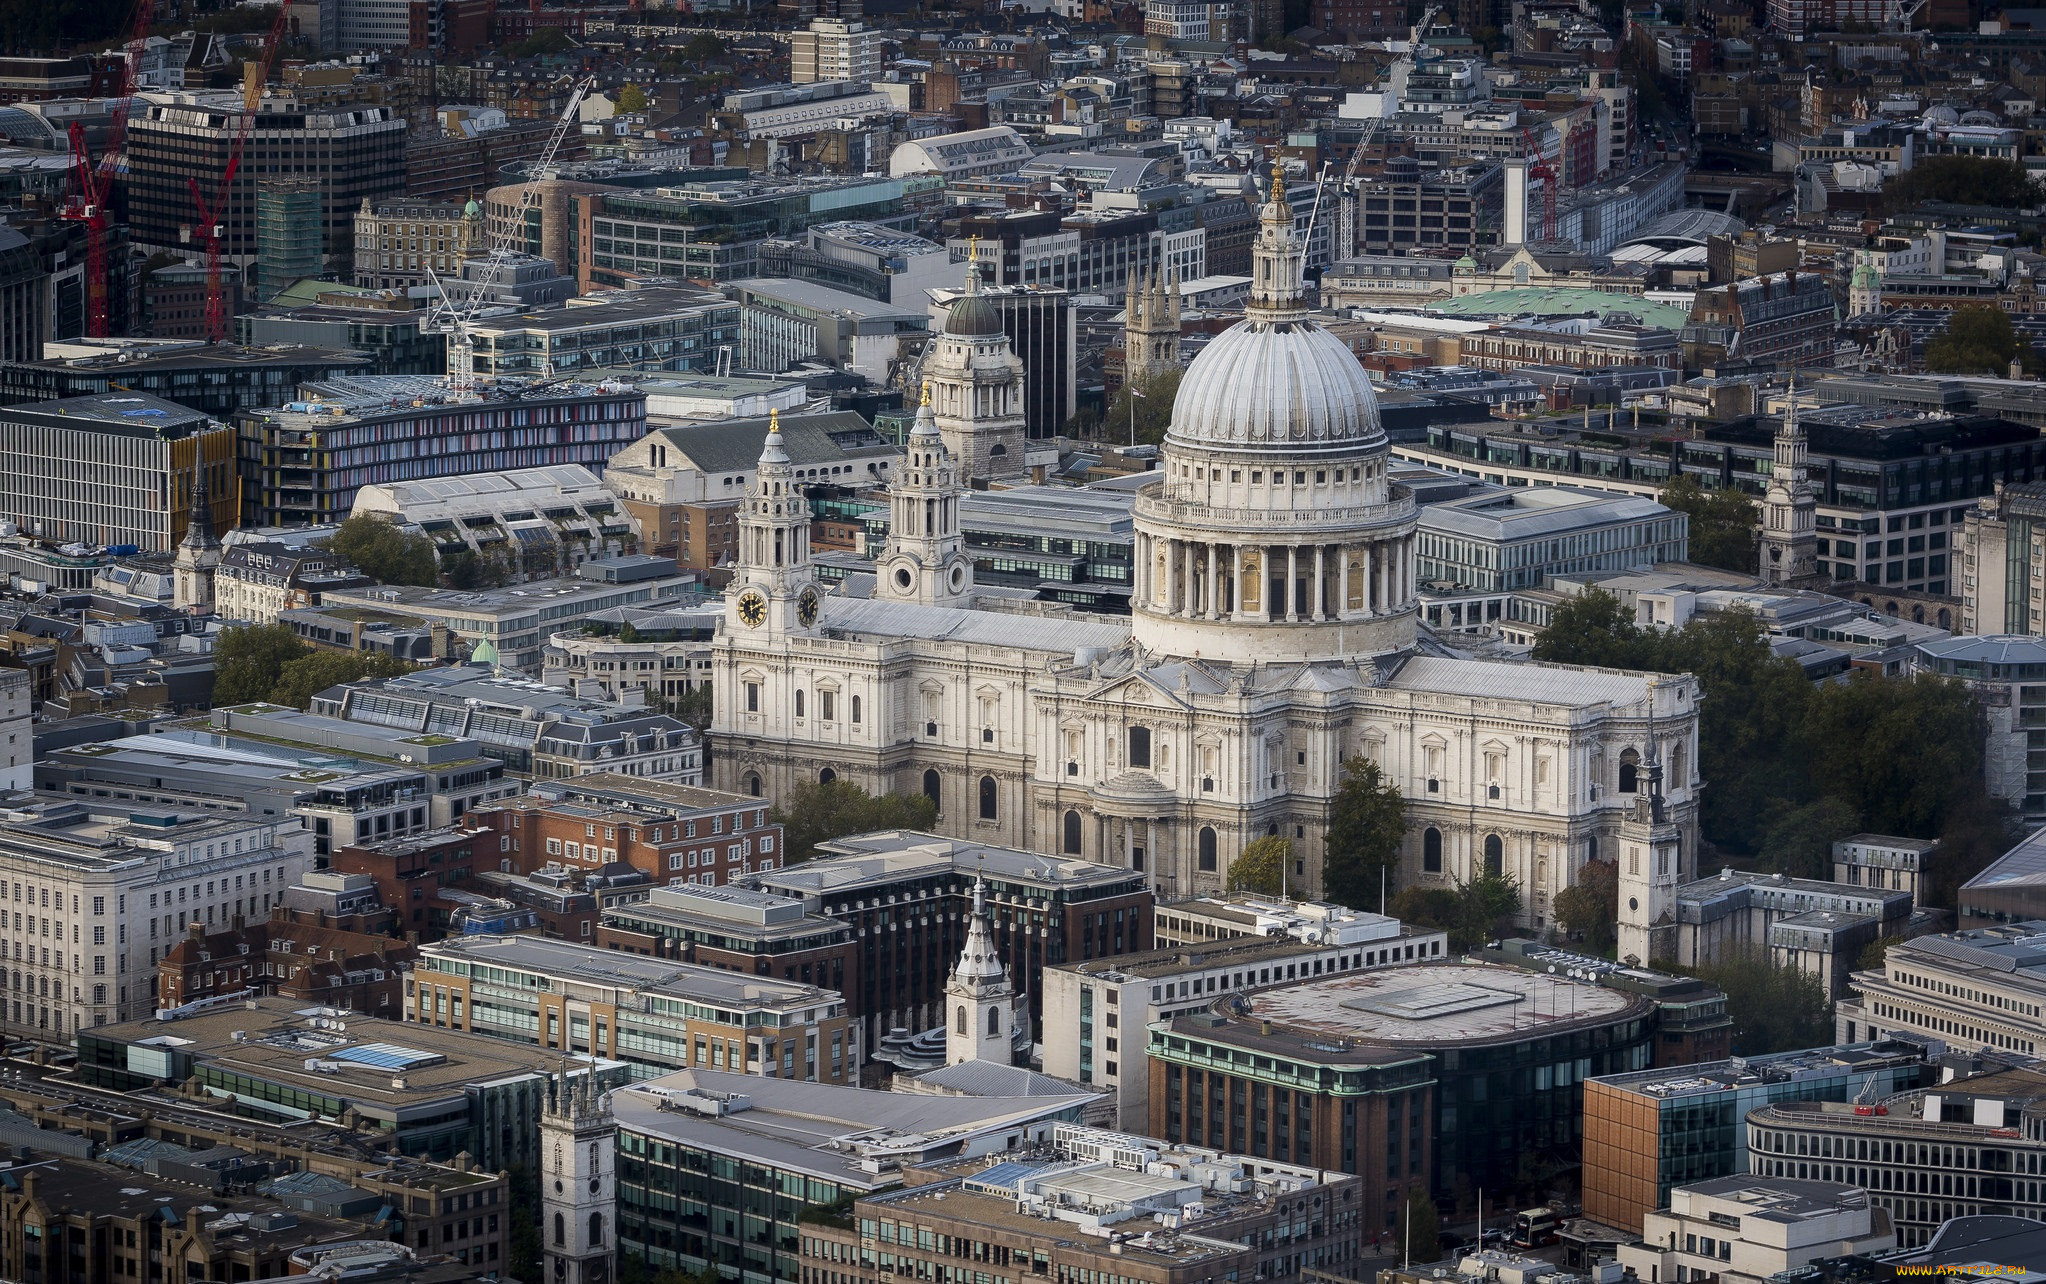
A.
x: 1276, y: 293
x: 926, y: 559
x: 773, y: 581
x: 198, y: 554
x: 1789, y: 505
x: 979, y: 993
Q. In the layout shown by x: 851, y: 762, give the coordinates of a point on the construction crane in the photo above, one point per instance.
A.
x: 452, y: 319
x: 93, y: 179
x: 1348, y: 226
x: 212, y: 227
x: 1538, y: 167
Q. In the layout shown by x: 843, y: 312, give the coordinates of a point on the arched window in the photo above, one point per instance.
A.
x: 596, y: 1229
x: 1207, y: 849
x: 931, y: 789
x: 1431, y: 850
x: 1495, y: 855
x: 1677, y: 778
x: 799, y: 704
x: 826, y: 775
x: 560, y: 1229
x: 987, y: 798
x: 1071, y: 845
x: 959, y: 1021
x: 753, y: 783
x: 1630, y: 770
x: 1591, y: 847
x: 994, y: 1020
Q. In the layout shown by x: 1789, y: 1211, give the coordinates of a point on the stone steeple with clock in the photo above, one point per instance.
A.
x: 774, y: 589
x: 578, y: 1183
x: 926, y: 561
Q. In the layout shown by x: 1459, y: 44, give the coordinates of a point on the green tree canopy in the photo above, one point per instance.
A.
x: 1367, y: 824
x: 1797, y: 839
x: 491, y: 568
x: 631, y: 99
x: 821, y: 811
x: 1153, y: 397
x: 1261, y: 868
x: 1979, y: 339
x: 704, y: 47
x: 1964, y: 180
x: 247, y: 660
x: 1419, y: 1227
x: 378, y: 549
x: 302, y: 679
x: 1590, y: 907
x: 1472, y: 913
x: 1725, y: 530
x: 1774, y: 1009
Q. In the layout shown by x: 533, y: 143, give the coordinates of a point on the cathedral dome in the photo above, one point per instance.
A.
x: 972, y: 316
x: 1289, y: 387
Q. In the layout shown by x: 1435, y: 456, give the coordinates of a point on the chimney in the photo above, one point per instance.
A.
x: 196, y: 931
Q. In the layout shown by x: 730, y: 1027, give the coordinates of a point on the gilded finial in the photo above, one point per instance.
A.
x: 927, y: 393
x: 774, y: 420
x: 1278, y: 183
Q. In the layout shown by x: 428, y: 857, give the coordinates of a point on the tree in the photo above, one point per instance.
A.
x: 1591, y: 628
x: 1964, y: 180
x: 1724, y: 527
x: 491, y: 568
x: 525, y: 1245
x: 1774, y: 1009
x: 1485, y: 910
x: 1590, y: 907
x: 1979, y: 339
x: 1367, y: 824
x: 823, y: 810
x: 1261, y: 869
x: 247, y: 660
x: 1902, y: 753
x: 375, y: 546
x: 1419, y: 1228
x: 1797, y: 841
x: 302, y: 679
x: 1154, y: 409
x: 704, y: 47
x: 631, y: 100
x: 693, y: 707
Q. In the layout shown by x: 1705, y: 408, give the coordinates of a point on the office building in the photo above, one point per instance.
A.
x: 1965, y: 1146
x: 1890, y: 492
x: 1097, y: 1013
x: 1502, y: 539
x: 1647, y: 1132
x: 258, y: 581
x: 1786, y: 319
x: 2008, y: 677
x: 542, y: 522
x: 1747, y: 1230
x: 241, y: 767
x: 667, y: 328
x: 784, y: 322
x: 1576, y: 345
x: 216, y: 379
x: 400, y: 244
x: 710, y: 229
x: 668, y: 657
x: 682, y: 484
x: 291, y: 227
x: 1980, y: 987
x: 1452, y: 209
x: 668, y: 831
x: 305, y: 457
x: 1091, y: 251
x: 398, y: 341
x: 24, y: 315
x: 656, y: 1015
x: 1043, y: 910
x: 736, y: 929
x: 1820, y: 928
x: 1884, y: 861
x: 535, y: 730
x: 772, y: 1149
x: 2013, y: 887
x: 122, y: 883
x: 116, y: 468
x: 429, y: 1093
x: 2000, y: 551
x: 294, y: 954
x: 1691, y: 1020
x: 350, y: 151
x: 834, y: 49
x: 972, y: 153
x: 1392, y: 1074
x: 1094, y: 1200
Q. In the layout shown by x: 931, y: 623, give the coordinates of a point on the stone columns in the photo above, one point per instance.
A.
x: 1320, y: 606
x: 1211, y: 603
x: 1292, y: 573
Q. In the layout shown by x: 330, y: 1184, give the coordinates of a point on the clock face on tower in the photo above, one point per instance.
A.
x: 752, y: 609
x: 806, y: 607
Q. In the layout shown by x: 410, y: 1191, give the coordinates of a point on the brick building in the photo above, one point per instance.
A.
x: 299, y: 954
x: 738, y: 930
x: 421, y: 875
x: 668, y: 832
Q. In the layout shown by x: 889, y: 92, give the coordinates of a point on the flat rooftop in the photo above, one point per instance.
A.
x: 958, y: 1200
x: 613, y: 969
x: 377, y: 1065
x: 127, y: 414
x: 1450, y: 1003
x: 887, y: 856
x: 819, y: 1129
x: 1709, y: 1077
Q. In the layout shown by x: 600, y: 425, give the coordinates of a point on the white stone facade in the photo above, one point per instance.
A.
x: 1273, y: 637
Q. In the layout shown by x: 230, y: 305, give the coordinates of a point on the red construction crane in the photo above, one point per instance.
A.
x: 212, y: 215
x: 93, y: 179
x: 1539, y: 167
